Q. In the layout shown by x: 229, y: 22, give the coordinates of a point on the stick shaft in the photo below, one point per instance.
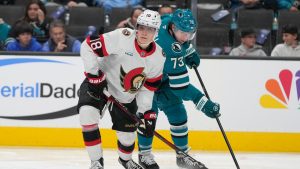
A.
x: 218, y: 121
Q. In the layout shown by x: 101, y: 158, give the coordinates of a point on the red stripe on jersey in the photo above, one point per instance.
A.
x: 153, y: 83
x: 152, y: 80
x: 125, y: 152
x: 150, y: 87
x: 105, y: 53
x: 94, y: 79
x: 92, y: 143
x: 144, y: 53
x: 88, y: 127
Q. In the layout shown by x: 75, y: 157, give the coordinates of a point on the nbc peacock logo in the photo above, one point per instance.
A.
x: 280, y: 90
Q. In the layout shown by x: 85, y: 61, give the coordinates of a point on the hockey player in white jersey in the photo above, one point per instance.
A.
x: 129, y: 64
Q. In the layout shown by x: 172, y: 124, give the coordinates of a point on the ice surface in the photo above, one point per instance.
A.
x: 63, y: 158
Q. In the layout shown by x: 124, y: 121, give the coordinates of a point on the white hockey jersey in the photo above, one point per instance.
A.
x: 131, y: 72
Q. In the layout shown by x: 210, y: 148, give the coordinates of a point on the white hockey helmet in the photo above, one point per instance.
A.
x: 149, y: 18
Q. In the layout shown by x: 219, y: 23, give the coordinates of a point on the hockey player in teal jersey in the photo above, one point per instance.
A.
x: 174, y: 37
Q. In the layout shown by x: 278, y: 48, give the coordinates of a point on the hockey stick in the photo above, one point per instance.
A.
x: 139, y: 121
x: 218, y: 120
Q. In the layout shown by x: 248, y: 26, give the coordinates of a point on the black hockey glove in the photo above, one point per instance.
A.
x: 149, y: 119
x: 96, y: 85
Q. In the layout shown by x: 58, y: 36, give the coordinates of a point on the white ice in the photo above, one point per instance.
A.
x: 62, y: 158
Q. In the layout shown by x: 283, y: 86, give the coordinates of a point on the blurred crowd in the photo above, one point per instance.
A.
x: 39, y: 30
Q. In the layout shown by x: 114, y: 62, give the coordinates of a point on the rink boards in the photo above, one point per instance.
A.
x: 259, y: 101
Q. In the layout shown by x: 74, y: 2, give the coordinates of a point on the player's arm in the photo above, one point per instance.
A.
x: 144, y: 101
x: 145, y: 94
x: 145, y: 112
x: 181, y: 87
x: 192, y: 57
x: 93, y: 48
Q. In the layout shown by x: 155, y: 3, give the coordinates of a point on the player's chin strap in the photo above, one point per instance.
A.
x: 139, y: 121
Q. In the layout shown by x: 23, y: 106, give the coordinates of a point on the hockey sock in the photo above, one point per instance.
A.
x: 125, y: 152
x: 92, y: 141
x: 179, y: 133
x: 126, y: 142
x: 145, y: 144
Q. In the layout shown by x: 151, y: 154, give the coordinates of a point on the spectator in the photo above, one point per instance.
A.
x: 24, y: 40
x: 76, y: 3
x: 248, y: 46
x: 291, y: 46
x: 131, y: 21
x: 60, y: 41
x: 246, y: 3
x: 254, y: 4
x: 291, y: 5
x: 35, y: 15
x: 4, y: 30
x: 109, y: 4
x: 7, y: 2
x: 165, y: 9
x: 69, y: 3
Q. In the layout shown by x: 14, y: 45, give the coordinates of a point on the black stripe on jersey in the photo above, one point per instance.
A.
x: 154, y: 84
x: 95, y: 42
x: 177, y: 74
x: 91, y: 135
x: 127, y: 149
x: 186, y: 135
x: 179, y: 124
x: 179, y: 88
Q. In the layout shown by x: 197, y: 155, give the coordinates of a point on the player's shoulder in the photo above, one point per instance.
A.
x: 158, y: 47
x: 165, y: 19
x: 159, y: 52
x: 280, y: 46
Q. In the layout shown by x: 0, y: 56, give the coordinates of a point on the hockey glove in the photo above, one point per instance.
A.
x: 192, y: 60
x: 96, y: 84
x: 208, y: 107
x: 149, y: 120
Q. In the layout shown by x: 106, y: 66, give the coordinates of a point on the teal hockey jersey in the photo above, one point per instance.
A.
x: 175, y: 73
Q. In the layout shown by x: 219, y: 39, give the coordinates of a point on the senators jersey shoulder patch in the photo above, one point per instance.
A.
x: 126, y: 32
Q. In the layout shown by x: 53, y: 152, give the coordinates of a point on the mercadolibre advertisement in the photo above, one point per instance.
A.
x: 255, y: 95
